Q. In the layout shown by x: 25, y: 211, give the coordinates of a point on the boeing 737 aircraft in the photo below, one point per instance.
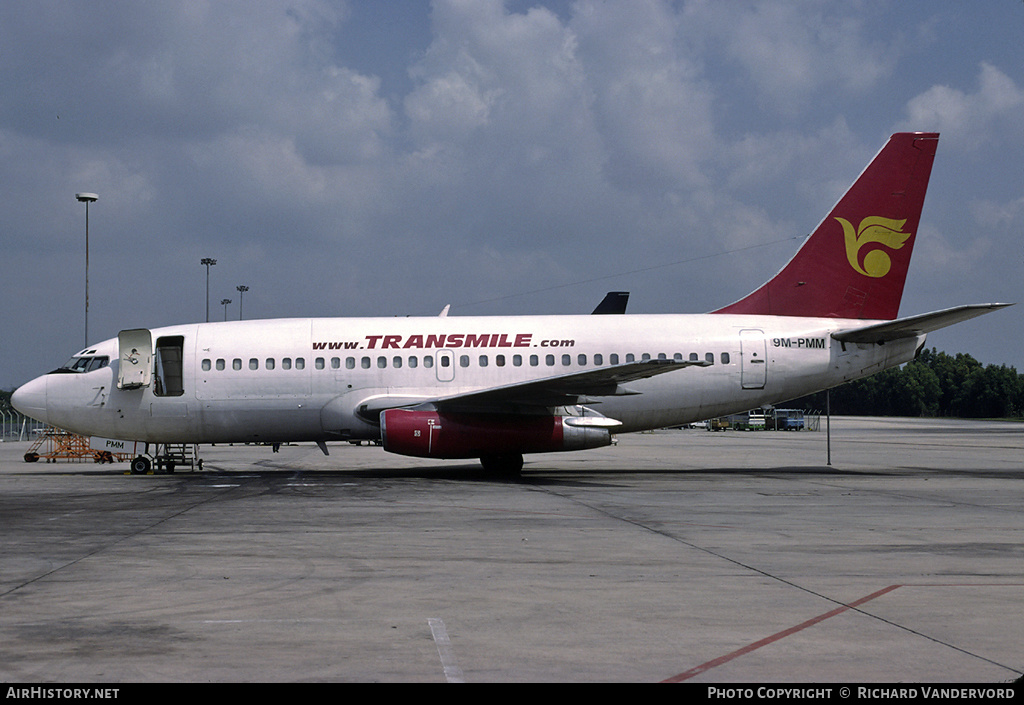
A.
x: 497, y: 387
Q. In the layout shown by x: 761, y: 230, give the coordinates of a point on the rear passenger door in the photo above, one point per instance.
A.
x: 753, y: 359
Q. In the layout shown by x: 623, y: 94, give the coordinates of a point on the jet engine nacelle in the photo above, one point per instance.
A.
x: 433, y: 434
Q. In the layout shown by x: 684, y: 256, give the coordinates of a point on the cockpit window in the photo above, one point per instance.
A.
x: 98, y: 363
x: 85, y: 364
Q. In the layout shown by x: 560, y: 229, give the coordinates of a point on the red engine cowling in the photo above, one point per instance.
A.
x: 432, y: 434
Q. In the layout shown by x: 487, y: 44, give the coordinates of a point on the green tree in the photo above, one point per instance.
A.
x: 916, y: 391
x: 991, y: 392
x: 934, y: 384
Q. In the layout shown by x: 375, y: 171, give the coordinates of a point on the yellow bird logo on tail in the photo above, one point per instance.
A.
x: 873, y: 230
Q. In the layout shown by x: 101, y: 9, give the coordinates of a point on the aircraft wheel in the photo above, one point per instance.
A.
x: 140, y: 465
x: 509, y: 465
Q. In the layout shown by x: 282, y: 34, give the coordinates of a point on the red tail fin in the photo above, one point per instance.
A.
x: 855, y: 263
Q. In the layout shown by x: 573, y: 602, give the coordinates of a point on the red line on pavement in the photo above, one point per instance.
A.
x: 774, y: 637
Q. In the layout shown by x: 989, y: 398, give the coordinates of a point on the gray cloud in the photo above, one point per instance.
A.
x: 480, y: 151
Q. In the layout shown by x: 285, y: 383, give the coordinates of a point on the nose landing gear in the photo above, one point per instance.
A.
x: 140, y: 465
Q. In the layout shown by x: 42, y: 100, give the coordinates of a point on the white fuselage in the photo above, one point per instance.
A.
x: 306, y: 379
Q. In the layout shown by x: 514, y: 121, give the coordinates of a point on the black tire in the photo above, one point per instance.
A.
x: 31, y: 457
x: 140, y: 465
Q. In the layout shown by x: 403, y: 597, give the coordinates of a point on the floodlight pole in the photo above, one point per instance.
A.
x: 86, y: 198
x: 828, y: 424
x: 241, y: 292
x: 208, y: 261
x: 224, y: 303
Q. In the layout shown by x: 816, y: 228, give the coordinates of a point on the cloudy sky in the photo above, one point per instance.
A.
x: 377, y: 157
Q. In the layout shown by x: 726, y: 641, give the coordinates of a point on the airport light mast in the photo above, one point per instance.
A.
x: 208, y: 261
x: 242, y: 288
x: 86, y: 198
x: 224, y: 303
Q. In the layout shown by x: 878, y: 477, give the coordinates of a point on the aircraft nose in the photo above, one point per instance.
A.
x: 30, y: 399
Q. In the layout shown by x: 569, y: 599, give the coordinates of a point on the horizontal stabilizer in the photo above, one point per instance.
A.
x: 915, y: 325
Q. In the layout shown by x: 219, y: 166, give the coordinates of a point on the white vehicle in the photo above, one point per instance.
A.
x: 755, y: 422
x: 497, y: 387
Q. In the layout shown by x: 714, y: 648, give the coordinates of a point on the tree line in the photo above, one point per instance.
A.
x: 933, y: 384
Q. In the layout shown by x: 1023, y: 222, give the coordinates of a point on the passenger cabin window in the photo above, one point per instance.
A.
x: 170, y: 349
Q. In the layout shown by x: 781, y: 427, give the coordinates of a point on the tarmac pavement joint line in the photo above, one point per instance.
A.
x: 714, y: 663
x: 686, y: 675
x: 452, y: 673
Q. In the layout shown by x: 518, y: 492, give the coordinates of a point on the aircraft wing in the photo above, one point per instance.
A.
x: 914, y: 325
x: 566, y: 389
x: 560, y: 390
